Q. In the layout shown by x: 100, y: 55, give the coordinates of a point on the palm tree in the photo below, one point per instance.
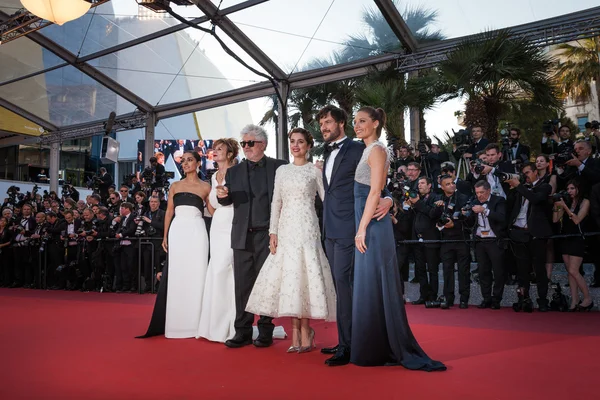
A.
x: 493, y: 71
x: 579, y: 68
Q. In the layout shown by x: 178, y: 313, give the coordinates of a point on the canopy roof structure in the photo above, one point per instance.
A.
x: 62, y: 82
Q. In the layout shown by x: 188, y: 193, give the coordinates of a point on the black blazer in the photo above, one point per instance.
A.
x: 158, y: 222
x: 539, y: 212
x: 127, y: 230
x: 338, y: 206
x: 239, y: 195
x: 496, y: 217
x: 425, y: 220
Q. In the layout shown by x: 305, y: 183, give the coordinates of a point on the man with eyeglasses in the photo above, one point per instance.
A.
x: 249, y: 187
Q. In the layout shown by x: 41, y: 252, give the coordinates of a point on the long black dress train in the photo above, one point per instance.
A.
x: 381, y: 334
x: 159, y: 314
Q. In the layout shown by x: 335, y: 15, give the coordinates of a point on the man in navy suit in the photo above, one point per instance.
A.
x: 341, y: 159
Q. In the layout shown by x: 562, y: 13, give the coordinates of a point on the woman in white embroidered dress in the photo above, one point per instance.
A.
x: 296, y: 280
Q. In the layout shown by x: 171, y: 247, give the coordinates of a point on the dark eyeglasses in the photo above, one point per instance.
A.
x: 250, y: 143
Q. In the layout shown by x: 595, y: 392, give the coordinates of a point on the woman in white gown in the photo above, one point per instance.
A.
x: 218, y: 305
x: 295, y: 280
x: 185, y: 235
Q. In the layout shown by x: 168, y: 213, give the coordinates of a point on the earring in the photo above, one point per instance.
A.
x: 307, y: 156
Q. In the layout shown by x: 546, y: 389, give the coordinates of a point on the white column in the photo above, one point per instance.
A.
x: 54, y: 166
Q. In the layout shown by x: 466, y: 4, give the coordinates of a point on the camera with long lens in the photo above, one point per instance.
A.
x: 44, y: 242
x: 407, y: 194
x: 550, y: 127
x: 139, y: 230
x: 93, y: 183
x: 506, y: 176
x: 477, y: 166
x: 562, y: 195
x: 444, y: 219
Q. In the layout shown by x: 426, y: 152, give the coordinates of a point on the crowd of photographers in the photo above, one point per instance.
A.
x: 517, y: 215
x: 512, y: 215
x: 92, y: 244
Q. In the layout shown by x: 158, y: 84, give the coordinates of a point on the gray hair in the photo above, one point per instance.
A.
x: 256, y: 131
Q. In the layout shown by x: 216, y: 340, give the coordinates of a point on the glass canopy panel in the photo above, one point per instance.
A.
x: 337, y: 30
x: 466, y: 17
x: 180, y: 66
x: 64, y: 97
x: 113, y: 23
x: 22, y: 57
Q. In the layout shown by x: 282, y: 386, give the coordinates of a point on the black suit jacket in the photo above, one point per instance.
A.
x: 158, y: 222
x: 425, y: 220
x: 496, y: 217
x: 539, y: 211
x: 239, y: 196
x: 127, y: 230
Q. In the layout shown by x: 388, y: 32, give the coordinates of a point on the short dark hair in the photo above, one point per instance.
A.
x: 414, y: 164
x: 127, y: 205
x: 338, y: 114
x: 483, y: 184
x: 530, y: 165
x: 426, y: 178
x: 492, y: 146
x: 516, y: 130
x: 446, y: 176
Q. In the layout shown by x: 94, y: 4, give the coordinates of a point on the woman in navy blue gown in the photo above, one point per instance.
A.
x: 380, y: 331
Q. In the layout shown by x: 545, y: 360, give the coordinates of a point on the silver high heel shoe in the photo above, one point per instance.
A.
x: 293, y: 349
x: 306, y: 349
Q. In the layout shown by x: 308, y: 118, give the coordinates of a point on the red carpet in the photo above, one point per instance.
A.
x: 72, y: 345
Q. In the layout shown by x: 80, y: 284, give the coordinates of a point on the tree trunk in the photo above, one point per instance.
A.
x: 492, y: 108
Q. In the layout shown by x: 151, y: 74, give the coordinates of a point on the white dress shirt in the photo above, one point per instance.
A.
x: 331, y: 160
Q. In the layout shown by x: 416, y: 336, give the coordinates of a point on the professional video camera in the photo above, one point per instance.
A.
x: 595, y: 125
x: 14, y: 195
x: 93, y: 183
x: 556, y: 197
x: 462, y: 139
x: 550, y: 127
x: 561, y: 158
x: 128, y: 179
x: 424, y: 146
x: 66, y: 191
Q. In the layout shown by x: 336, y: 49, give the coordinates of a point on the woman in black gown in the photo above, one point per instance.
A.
x: 572, y: 218
x: 380, y: 331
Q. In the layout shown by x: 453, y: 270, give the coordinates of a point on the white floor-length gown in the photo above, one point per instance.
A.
x: 296, y: 281
x: 188, y: 263
x: 218, y: 306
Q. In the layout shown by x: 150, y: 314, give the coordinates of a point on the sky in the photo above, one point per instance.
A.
x: 293, y: 32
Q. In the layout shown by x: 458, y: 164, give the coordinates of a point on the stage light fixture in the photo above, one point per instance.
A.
x: 57, y: 11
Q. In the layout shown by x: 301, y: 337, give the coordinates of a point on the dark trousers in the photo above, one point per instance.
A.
x: 6, y: 266
x: 151, y: 266
x: 55, y: 253
x: 340, y: 253
x: 532, y: 252
x: 124, y: 257
x: 21, y: 264
x: 402, y: 253
x: 427, y: 266
x: 451, y: 253
x: 490, y: 260
x: 246, y: 266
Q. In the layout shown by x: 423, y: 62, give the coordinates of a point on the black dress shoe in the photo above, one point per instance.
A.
x: 495, y: 305
x: 342, y: 357
x: 485, y: 304
x: 238, y: 341
x: 418, y: 302
x: 330, y: 350
x: 463, y: 305
x: 262, y: 341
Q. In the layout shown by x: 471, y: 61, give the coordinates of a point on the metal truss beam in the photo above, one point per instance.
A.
x: 396, y: 22
x: 85, y: 68
x: 15, y: 139
x: 27, y: 115
x: 236, y: 34
x: 122, y: 123
x: 168, y: 31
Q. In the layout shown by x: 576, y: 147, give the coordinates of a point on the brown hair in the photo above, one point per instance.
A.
x: 338, y: 114
x: 376, y: 114
x: 307, y: 136
x: 232, y: 147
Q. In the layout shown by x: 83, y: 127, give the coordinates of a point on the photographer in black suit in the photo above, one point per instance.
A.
x: 479, y: 144
x: 124, y: 251
x: 154, y: 221
x: 490, y: 232
x: 106, y: 181
x: 427, y: 256
x: 451, y: 224
x: 493, y: 169
x: 530, y: 226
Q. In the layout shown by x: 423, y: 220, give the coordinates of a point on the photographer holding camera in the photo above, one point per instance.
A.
x: 427, y: 257
x: 154, y: 220
x: 451, y: 223
x: 582, y: 166
x: 124, y: 252
x: 478, y: 143
x: 494, y: 170
x: 489, y: 233
x: 22, y: 230
x: 529, y: 228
